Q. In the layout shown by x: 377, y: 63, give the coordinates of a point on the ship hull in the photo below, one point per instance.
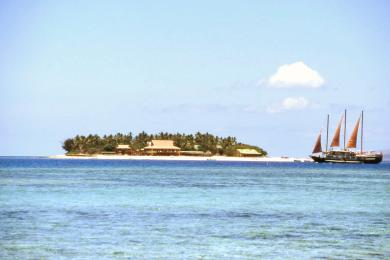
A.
x: 372, y: 159
x: 347, y: 157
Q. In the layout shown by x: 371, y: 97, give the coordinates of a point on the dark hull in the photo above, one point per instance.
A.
x: 372, y: 159
x: 347, y: 158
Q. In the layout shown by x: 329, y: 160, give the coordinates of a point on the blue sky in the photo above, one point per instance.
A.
x: 80, y: 67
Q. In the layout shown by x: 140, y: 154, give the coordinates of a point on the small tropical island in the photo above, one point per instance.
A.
x: 166, y: 146
x: 161, y: 144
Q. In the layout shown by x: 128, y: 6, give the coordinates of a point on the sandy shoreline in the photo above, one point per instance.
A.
x: 186, y: 158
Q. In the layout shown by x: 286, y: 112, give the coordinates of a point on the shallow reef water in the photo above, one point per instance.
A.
x: 192, y: 210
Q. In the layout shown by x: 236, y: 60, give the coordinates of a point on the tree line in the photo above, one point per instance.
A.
x: 94, y: 144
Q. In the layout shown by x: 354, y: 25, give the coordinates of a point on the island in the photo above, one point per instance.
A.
x: 161, y: 144
x: 166, y: 146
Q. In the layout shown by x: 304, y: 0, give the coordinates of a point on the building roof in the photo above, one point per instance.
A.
x: 161, y: 144
x: 122, y: 146
x: 248, y: 151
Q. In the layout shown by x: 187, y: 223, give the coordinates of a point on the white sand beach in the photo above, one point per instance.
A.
x: 186, y: 158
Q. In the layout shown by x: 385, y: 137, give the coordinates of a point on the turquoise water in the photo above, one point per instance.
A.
x: 192, y: 210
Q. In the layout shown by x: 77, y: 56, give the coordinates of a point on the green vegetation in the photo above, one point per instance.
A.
x: 93, y: 144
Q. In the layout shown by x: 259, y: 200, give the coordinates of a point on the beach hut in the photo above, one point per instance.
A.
x: 123, y: 149
x: 248, y: 153
x: 161, y: 147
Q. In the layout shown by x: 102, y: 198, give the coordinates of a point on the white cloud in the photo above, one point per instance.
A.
x: 289, y: 103
x: 297, y: 74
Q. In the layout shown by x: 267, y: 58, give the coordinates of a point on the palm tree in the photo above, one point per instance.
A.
x: 205, y: 142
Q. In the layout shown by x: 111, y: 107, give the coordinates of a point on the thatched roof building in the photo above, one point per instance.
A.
x: 122, y: 146
x: 248, y: 153
x: 161, y: 147
x: 123, y: 149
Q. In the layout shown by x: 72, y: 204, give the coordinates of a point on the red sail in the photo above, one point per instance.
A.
x: 317, y: 146
x: 352, y: 140
x: 336, y: 137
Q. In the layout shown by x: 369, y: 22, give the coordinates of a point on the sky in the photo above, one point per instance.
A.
x: 267, y: 72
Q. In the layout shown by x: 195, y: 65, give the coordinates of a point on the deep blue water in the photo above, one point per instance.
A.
x: 192, y: 210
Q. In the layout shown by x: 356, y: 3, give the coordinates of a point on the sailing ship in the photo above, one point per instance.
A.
x: 349, y: 154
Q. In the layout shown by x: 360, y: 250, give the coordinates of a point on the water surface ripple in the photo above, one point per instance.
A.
x: 192, y: 210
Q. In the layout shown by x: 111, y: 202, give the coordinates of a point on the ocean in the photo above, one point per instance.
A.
x: 123, y: 209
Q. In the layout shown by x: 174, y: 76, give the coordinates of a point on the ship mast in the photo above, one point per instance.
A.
x: 345, y: 126
x: 361, y: 136
x: 327, y: 130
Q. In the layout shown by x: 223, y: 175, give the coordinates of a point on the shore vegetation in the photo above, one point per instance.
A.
x: 205, y: 142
